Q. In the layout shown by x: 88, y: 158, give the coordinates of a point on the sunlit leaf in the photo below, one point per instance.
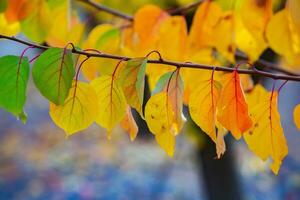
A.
x: 160, y: 119
x: 203, y: 106
x: 232, y: 107
x: 79, y: 110
x: 53, y: 72
x: 266, y: 137
x: 14, y: 74
x: 112, y: 102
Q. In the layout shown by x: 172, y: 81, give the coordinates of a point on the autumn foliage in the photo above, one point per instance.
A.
x: 219, y: 101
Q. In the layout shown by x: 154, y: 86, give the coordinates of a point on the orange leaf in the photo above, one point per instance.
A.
x: 232, y: 109
x: 129, y: 124
x: 17, y: 10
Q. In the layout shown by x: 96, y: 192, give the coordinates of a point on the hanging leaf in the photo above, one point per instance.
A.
x: 232, y: 108
x: 172, y: 84
x: 129, y: 124
x: 112, y: 102
x: 14, y: 74
x: 79, y: 110
x: 53, y: 73
x: 132, y: 80
x: 160, y: 119
x: 266, y: 137
x: 297, y: 116
x: 203, y: 111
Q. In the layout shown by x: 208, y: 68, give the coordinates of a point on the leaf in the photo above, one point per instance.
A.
x: 129, y: 124
x: 79, y: 110
x: 132, y: 80
x: 112, y: 102
x: 53, y: 73
x: 6, y: 28
x: 160, y: 119
x: 232, y: 108
x: 205, y: 19
x: 289, y: 45
x: 261, y: 10
x: 14, y: 75
x: 297, y: 116
x: 18, y: 10
x: 203, y: 107
x: 146, y: 22
x: 172, y: 84
x: 66, y: 27
x: 37, y: 24
x: 266, y: 137
x: 105, y: 38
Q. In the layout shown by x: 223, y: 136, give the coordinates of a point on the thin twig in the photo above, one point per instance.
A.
x: 169, y: 62
x: 107, y: 9
x: 184, y: 8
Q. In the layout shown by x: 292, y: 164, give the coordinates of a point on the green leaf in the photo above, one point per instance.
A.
x: 14, y: 75
x: 3, y: 5
x: 53, y: 73
x: 132, y: 80
x: 162, y: 83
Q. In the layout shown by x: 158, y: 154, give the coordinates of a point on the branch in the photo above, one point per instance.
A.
x: 107, y: 9
x: 252, y: 71
x: 184, y: 8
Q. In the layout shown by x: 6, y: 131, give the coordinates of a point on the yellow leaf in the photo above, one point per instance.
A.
x: 261, y: 11
x: 245, y: 41
x: 8, y: 29
x: 64, y: 28
x: 172, y: 44
x: 146, y: 22
x: 289, y: 45
x: 105, y: 38
x: 160, y: 119
x: 232, y: 108
x: 266, y: 137
x: 112, y: 102
x: 297, y: 116
x: 79, y: 110
x: 129, y: 124
x: 203, y: 106
x: 205, y: 19
x: 203, y: 110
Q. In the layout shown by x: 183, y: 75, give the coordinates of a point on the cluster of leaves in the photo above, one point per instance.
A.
x: 216, y: 100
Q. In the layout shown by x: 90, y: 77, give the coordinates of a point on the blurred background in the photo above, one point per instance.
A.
x: 38, y: 162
